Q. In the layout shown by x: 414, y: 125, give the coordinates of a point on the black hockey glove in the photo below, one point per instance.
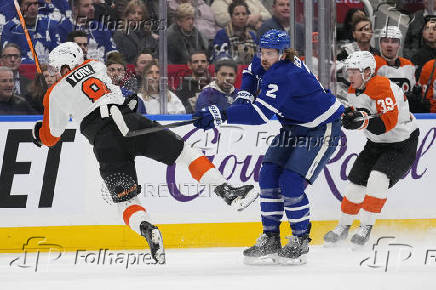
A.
x: 131, y: 102
x: 355, y: 120
x: 35, y: 134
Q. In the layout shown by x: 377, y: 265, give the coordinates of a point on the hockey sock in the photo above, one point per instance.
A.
x: 133, y: 214
x: 375, y: 199
x: 199, y: 166
x: 271, y: 200
x: 351, y: 203
x: 296, y: 204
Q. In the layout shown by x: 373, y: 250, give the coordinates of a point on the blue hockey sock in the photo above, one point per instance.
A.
x: 296, y: 204
x: 271, y: 200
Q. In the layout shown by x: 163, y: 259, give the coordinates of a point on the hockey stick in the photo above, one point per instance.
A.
x: 32, y: 49
x: 367, y: 117
x: 160, y: 128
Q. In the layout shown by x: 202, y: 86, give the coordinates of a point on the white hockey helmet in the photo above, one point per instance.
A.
x: 361, y: 60
x: 391, y: 32
x: 68, y: 53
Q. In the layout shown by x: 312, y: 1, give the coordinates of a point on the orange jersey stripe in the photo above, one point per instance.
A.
x: 44, y: 133
x: 380, y: 61
x: 128, y: 212
x: 373, y: 204
x: 349, y: 207
x: 199, y: 167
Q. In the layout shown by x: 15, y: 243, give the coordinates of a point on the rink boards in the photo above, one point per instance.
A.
x: 58, y: 196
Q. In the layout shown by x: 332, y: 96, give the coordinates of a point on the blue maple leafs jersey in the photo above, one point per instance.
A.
x: 290, y: 91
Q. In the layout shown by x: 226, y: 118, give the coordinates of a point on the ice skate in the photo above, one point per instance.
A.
x: 237, y: 197
x: 264, y: 251
x: 334, y: 237
x: 295, y: 251
x: 154, y: 239
x: 360, y: 238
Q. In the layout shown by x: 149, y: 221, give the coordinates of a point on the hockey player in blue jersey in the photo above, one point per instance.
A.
x: 311, y: 127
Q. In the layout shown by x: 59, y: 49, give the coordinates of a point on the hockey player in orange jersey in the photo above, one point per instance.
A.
x: 427, y: 83
x: 86, y: 94
x: 379, y: 108
x: 398, y: 69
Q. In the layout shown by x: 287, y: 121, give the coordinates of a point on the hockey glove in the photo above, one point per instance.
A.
x: 243, y: 97
x: 35, y: 134
x: 131, y: 102
x: 355, y: 120
x: 209, y: 117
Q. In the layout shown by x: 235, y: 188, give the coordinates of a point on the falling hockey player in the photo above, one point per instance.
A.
x: 85, y: 93
x: 380, y: 109
x: 311, y: 127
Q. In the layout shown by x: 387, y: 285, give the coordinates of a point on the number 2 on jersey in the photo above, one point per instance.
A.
x: 94, y: 88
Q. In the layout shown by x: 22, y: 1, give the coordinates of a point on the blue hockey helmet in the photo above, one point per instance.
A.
x: 275, y: 38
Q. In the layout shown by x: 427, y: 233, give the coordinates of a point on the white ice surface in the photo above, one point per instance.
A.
x: 222, y: 268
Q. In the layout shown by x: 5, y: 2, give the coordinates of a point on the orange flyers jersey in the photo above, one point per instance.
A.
x: 76, y: 95
x: 423, y: 80
x: 382, y: 96
x: 403, y: 74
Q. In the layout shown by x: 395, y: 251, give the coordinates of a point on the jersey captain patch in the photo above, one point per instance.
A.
x: 79, y: 74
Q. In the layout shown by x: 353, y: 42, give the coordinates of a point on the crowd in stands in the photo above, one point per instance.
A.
x: 208, y: 42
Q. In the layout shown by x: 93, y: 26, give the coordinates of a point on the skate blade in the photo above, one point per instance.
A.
x: 271, y: 259
x: 241, y: 203
x: 337, y: 244
x: 359, y: 248
x: 290, y: 261
x: 156, y: 238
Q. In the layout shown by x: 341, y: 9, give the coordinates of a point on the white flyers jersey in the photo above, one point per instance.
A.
x: 75, y: 95
x: 403, y: 73
x: 383, y: 97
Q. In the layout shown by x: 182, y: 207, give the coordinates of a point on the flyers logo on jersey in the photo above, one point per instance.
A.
x: 79, y: 74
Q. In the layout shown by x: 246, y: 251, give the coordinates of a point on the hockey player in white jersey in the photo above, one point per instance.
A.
x: 86, y: 94
x: 389, y: 64
x: 379, y: 108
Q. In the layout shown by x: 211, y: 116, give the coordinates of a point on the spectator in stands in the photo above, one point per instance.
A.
x: 53, y: 9
x: 258, y: 12
x: 414, y: 30
x: 36, y: 90
x: 236, y: 40
x: 362, y: 34
x: 100, y: 42
x: 427, y: 84
x: 136, y: 37
x: 11, y: 57
x: 192, y: 85
x: 427, y: 50
x: 81, y: 38
x: 220, y: 92
x: 10, y: 103
x: 388, y: 64
x: 183, y: 37
x: 143, y: 59
x: 280, y: 20
x: 116, y: 70
x: 204, y: 19
x: 149, y: 94
x: 345, y: 33
x: 42, y: 31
